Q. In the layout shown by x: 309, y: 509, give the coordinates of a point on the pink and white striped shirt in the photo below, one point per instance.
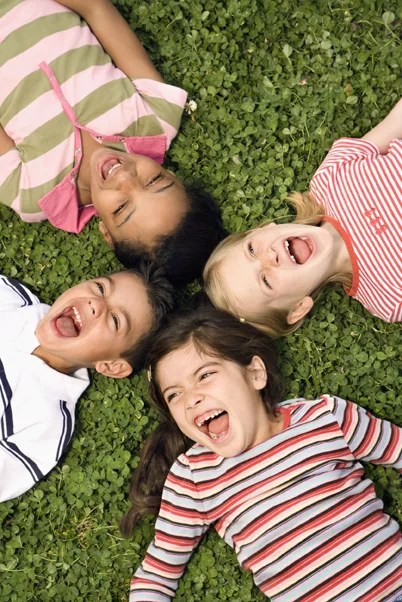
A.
x: 361, y: 192
x: 56, y: 81
x: 296, y: 509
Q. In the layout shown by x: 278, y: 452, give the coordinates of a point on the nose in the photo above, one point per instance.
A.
x: 95, y: 306
x: 270, y: 258
x: 193, y: 399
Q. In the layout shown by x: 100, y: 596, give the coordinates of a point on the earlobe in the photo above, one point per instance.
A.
x: 106, y: 235
x: 300, y: 310
x: 114, y: 369
x: 258, y: 372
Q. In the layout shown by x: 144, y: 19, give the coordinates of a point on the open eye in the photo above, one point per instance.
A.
x: 154, y: 179
x: 171, y: 397
x: 205, y: 375
x: 250, y: 248
x: 120, y: 208
x: 265, y: 281
x: 101, y: 288
x: 116, y: 321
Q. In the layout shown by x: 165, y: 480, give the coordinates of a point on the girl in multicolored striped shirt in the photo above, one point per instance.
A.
x: 281, y: 482
x: 271, y: 275
x: 81, y: 135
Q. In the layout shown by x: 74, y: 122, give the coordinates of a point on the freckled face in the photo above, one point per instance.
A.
x: 214, y: 401
x: 96, y: 320
x: 135, y: 197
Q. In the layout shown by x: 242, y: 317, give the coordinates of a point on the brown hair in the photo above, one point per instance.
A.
x: 213, y: 332
x: 273, y: 321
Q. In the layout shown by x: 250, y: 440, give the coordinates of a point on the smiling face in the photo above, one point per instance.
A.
x: 214, y: 401
x: 135, y: 197
x: 93, y: 323
x: 279, y: 266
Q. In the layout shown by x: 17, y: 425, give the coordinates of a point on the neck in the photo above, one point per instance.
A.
x: 342, y: 262
x: 54, y: 361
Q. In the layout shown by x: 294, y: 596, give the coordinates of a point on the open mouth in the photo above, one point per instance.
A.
x: 69, y: 323
x: 214, y: 423
x: 109, y: 167
x: 299, y: 249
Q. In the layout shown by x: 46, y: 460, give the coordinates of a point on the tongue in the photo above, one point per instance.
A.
x: 219, y: 424
x: 66, y: 326
x: 106, y: 167
x: 300, y: 250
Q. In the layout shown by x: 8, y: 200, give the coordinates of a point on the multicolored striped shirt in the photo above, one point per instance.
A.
x: 296, y: 509
x: 361, y: 192
x: 37, y: 403
x: 57, y: 80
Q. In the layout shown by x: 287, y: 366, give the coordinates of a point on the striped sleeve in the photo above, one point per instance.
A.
x: 181, y: 524
x: 164, y: 101
x: 369, y: 438
x: 13, y: 294
x: 26, y: 456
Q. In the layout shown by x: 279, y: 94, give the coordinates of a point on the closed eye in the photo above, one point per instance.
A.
x: 120, y: 208
x: 116, y: 321
x: 154, y: 179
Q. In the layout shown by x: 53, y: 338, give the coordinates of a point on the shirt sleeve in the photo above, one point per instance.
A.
x: 164, y: 101
x: 343, y: 151
x: 10, y: 174
x: 14, y: 295
x: 181, y: 524
x: 369, y: 438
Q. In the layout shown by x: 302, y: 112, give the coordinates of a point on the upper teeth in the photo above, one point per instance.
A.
x: 113, y: 168
x: 77, y: 316
x: 289, y: 253
x: 200, y: 421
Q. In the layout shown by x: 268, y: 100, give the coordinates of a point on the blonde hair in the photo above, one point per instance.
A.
x: 272, y: 321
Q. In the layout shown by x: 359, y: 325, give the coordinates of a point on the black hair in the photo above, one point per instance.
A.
x: 160, y: 297
x: 214, y: 332
x: 183, y: 253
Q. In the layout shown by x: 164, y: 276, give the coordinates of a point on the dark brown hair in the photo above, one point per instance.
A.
x: 213, y: 332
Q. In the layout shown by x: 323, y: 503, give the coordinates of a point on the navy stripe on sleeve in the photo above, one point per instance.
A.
x: 21, y: 291
x: 7, y: 426
x: 29, y: 464
x: 66, y: 430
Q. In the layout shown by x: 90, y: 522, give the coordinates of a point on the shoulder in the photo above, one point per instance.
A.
x: 14, y: 294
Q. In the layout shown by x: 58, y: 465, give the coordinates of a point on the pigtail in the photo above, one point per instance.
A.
x: 159, y: 452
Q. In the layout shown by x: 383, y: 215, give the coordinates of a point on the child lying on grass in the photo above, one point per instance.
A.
x: 281, y: 482
x: 80, y: 135
x: 104, y: 324
x: 271, y: 275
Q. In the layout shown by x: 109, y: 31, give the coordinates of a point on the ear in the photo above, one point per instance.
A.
x: 114, y: 369
x: 257, y: 372
x: 300, y: 310
x: 106, y: 235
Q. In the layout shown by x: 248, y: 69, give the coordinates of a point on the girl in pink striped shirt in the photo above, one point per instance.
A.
x: 280, y: 482
x: 271, y: 275
x: 81, y: 135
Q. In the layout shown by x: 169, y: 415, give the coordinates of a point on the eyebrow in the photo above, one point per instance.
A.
x: 206, y: 365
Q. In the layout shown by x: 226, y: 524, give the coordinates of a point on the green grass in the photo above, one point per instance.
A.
x: 275, y: 84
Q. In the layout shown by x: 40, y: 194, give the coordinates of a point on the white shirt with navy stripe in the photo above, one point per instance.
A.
x: 37, y: 403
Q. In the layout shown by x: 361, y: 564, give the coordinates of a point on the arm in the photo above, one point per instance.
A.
x: 180, y: 526
x: 369, y: 438
x: 116, y: 37
x: 6, y: 143
x: 18, y: 472
x: 388, y: 129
